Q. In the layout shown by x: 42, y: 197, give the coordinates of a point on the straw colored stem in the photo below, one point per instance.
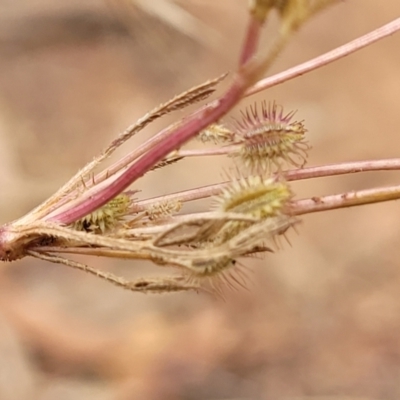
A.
x: 343, y: 200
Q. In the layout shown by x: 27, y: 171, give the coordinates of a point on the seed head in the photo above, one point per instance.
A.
x: 216, y: 133
x: 269, y: 139
x: 105, y: 218
x: 253, y: 196
x: 222, y: 273
x: 162, y: 210
x: 256, y: 196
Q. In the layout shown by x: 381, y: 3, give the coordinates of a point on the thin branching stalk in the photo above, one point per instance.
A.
x: 322, y: 171
x: 327, y: 58
x: 347, y: 199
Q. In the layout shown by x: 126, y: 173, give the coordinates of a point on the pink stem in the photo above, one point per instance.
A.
x: 343, y: 168
x: 199, y: 121
x: 392, y: 164
x: 183, y: 133
x: 188, y: 128
x: 251, y: 40
x: 144, y: 148
x: 248, y: 50
x: 277, y: 79
x: 336, y: 54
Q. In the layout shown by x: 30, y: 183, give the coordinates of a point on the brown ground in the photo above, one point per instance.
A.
x: 321, y: 319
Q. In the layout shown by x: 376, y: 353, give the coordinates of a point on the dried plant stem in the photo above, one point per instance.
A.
x: 157, y: 285
x: 349, y: 199
x: 391, y: 164
x: 93, y: 251
x: 314, y: 204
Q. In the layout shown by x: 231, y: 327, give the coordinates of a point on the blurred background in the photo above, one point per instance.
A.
x: 321, y: 317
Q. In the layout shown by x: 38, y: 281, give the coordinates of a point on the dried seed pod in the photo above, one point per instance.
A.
x: 256, y: 196
x: 162, y: 210
x: 265, y: 201
x: 268, y: 139
x: 222, y: 273
x: 105, y: 218
x: 216, y: 133
x: 253, y: 196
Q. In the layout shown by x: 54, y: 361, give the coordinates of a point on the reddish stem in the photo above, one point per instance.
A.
x: 391, y: 164
x: 182, y: 134
x: 251, y: 41
x: 327, y: 58
x: 188, y: 128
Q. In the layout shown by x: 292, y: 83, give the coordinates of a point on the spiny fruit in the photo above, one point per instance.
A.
x: 268, y: 139
x: 106, y: 217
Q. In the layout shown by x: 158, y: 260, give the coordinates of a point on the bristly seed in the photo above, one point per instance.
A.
x: 105, y: 218
x: 268, y: 139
